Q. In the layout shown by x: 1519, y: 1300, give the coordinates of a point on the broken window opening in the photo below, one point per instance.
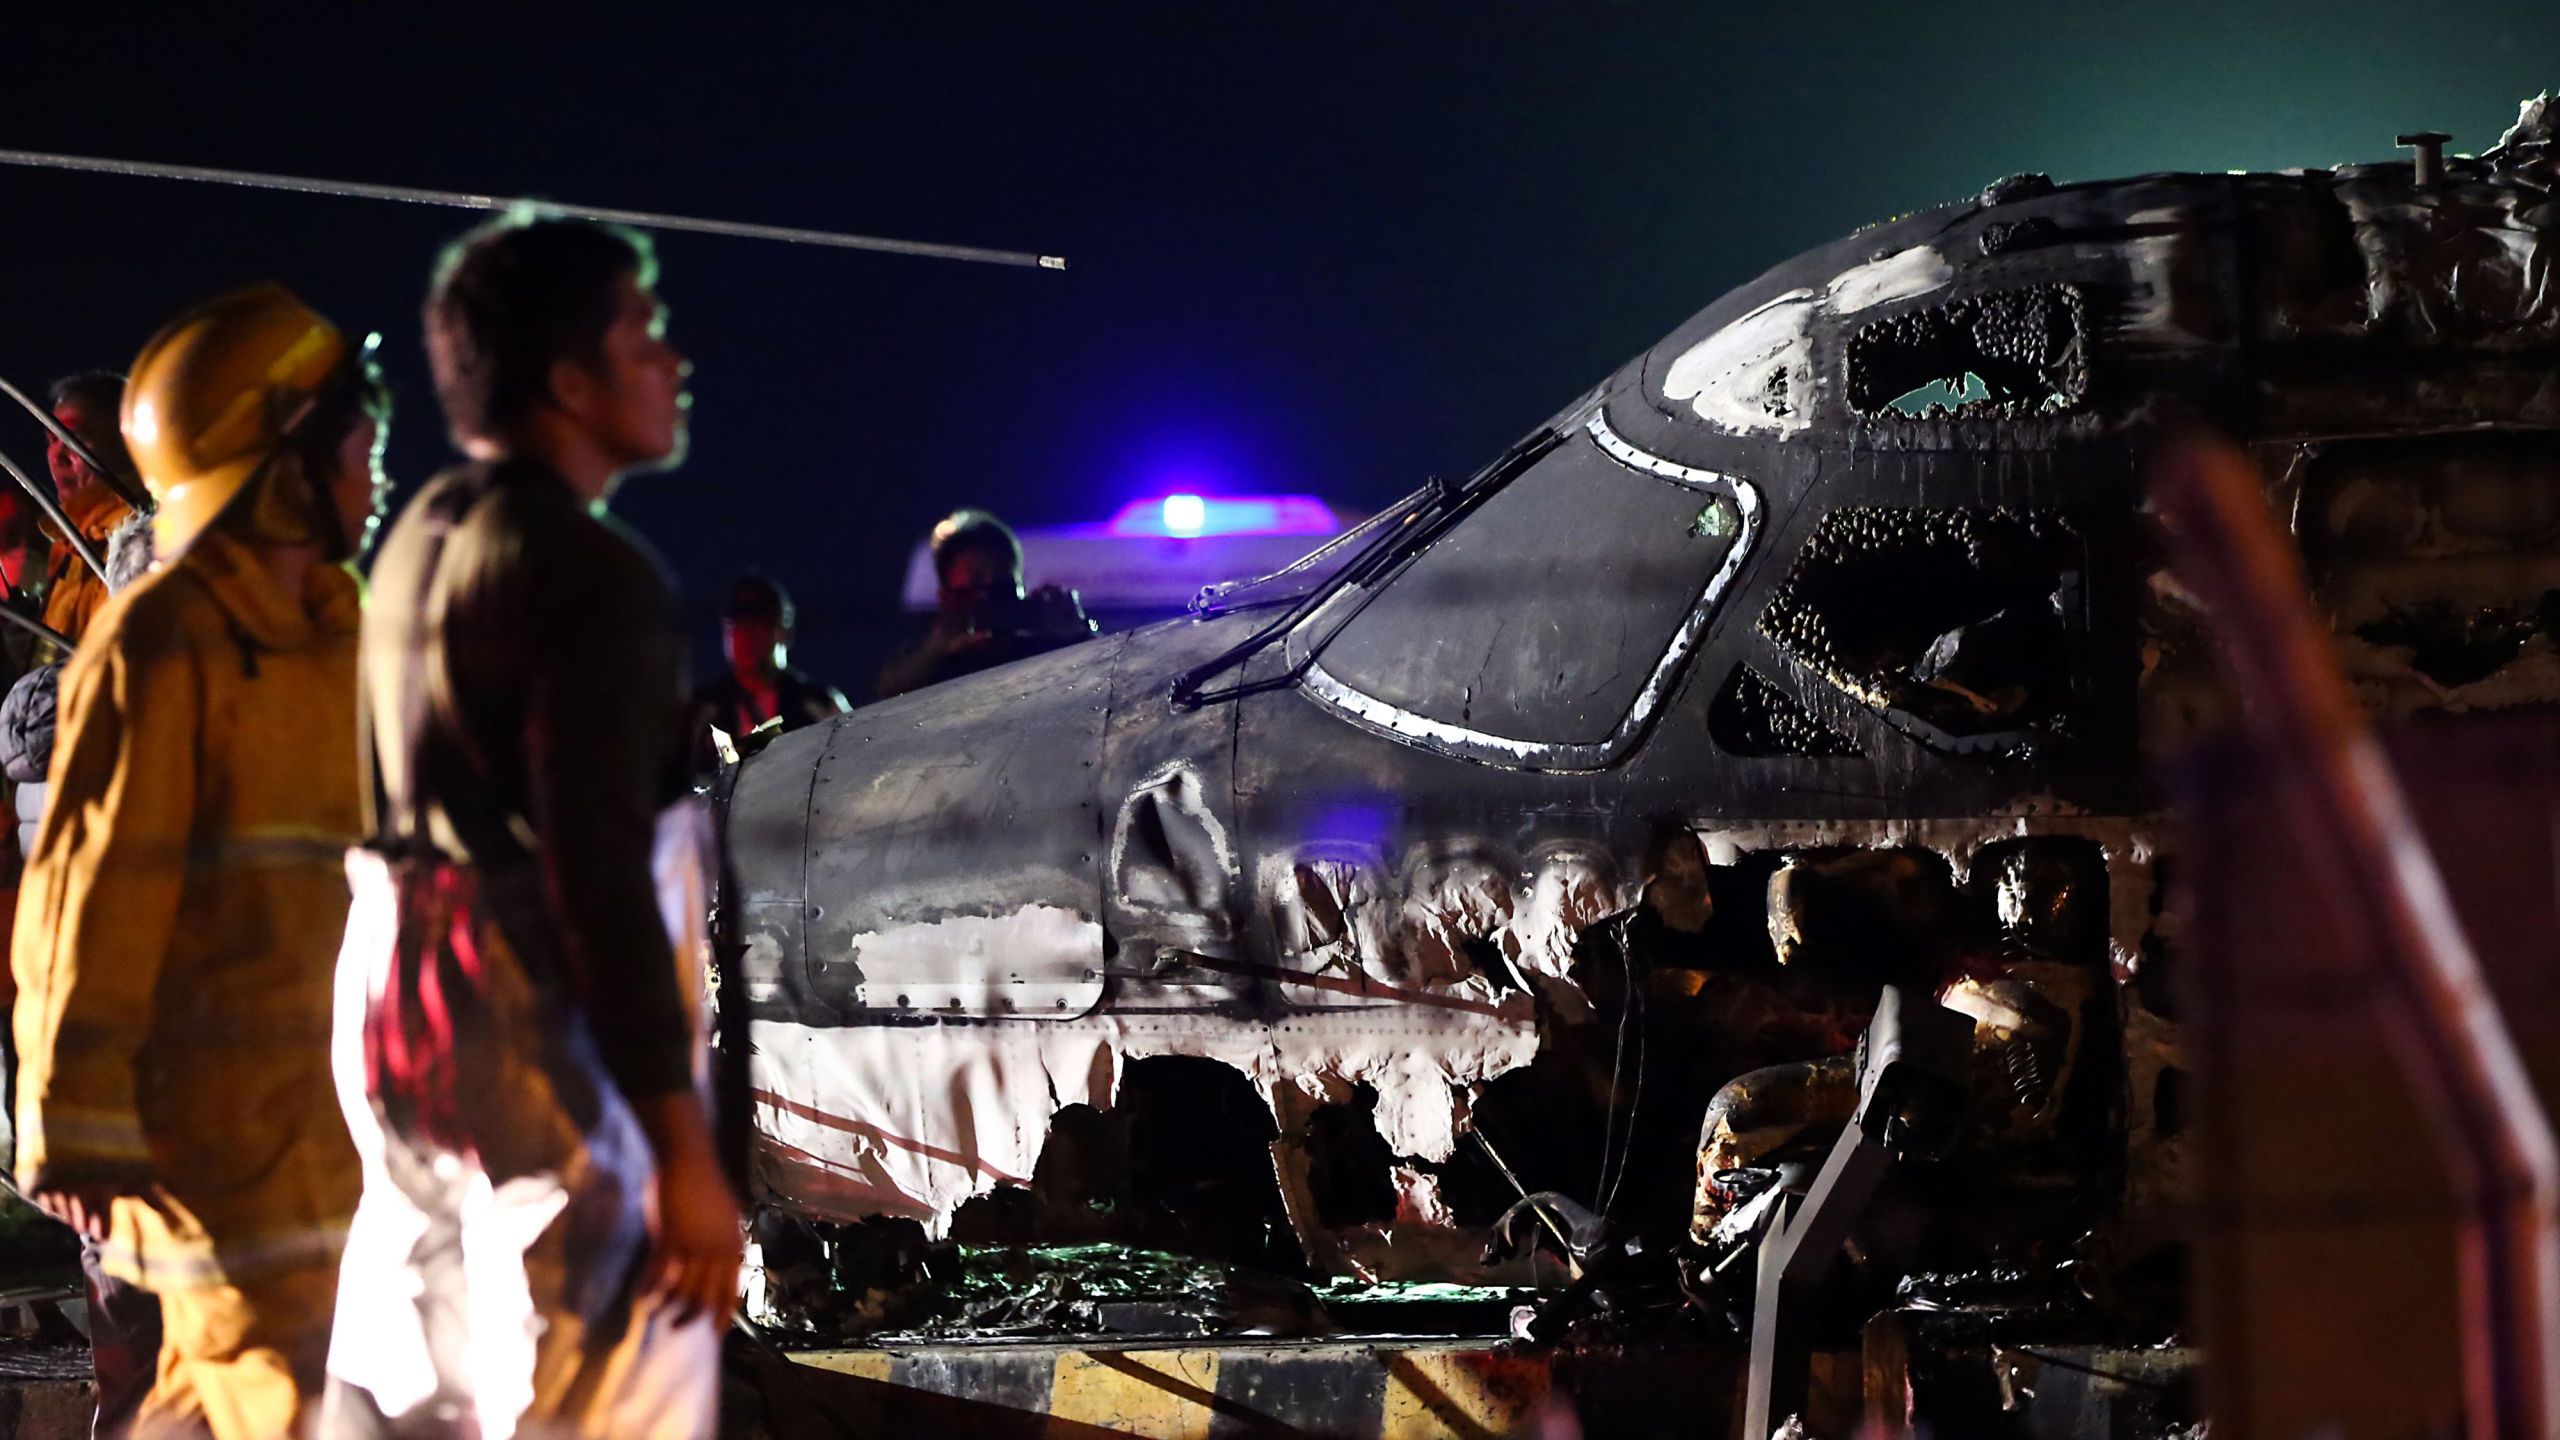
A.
x: 2442, y: 548
x: 1959, y: 619
x: 2455, y: 647
x: 1941, y: 395
x: 2006, y: 355
x: 1752, y: 717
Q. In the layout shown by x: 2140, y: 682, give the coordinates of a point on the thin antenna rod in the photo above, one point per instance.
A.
x: 456, y: 200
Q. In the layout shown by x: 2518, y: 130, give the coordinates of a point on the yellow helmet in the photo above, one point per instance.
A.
x: 211, y: 401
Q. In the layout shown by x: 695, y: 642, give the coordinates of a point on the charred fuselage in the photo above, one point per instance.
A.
x: 1853, y: 562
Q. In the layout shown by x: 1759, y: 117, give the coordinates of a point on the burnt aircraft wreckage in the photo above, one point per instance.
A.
x: 1498, y: 898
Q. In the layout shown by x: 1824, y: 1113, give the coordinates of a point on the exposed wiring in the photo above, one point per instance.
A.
x: 1476, y: 1132
x: 1617, y: 1149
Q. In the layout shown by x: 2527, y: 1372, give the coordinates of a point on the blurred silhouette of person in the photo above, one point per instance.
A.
x: 548, y: 1243
x: 984, y: 619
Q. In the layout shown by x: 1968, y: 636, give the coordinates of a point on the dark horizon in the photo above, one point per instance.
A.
x: 1319, y: 250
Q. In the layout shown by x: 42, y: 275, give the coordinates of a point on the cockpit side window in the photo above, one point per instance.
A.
x: 2441, y: 554
x: 1957, y: 625
x: 1551, y: 614
x: 2008, y: 354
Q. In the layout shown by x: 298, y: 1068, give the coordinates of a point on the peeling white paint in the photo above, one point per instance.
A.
x: 1903, y: 275
x: 1754, y: 376
x: 1418, y: 1198
x: 1332, y: 911
x: 1571, y: 888
x: 760, y: 963
x: 916, y: 1121
x: 1426, y: 1085
x: 1039, y: 960
x: 1450, y: 902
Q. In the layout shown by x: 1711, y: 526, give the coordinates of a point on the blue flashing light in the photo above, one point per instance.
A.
x: 1189, y: 516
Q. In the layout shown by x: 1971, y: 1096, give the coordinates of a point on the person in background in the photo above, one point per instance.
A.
x: 547, y: 1243
x: 48, y: 579
x: 23, y: 555
x: 25, y: 552
x: 759, y: 688
x: 124, y: 1319
x: 982, y: 618
x: 87, y: 406
x: 182, y: 909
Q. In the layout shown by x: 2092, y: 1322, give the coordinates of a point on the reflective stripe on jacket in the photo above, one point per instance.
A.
x: 181, y: 914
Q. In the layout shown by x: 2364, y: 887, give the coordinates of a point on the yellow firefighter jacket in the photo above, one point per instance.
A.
x: 181, y: 914
x: 73, y: 592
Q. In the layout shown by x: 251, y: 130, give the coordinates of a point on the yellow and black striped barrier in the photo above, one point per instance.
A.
x: 1296, y: 1389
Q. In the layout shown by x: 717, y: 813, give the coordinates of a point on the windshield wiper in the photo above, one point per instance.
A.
x: 1403, y: 528
x: 1215, y: 599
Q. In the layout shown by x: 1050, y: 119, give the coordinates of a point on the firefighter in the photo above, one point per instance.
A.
x: 49, y: 577
x: 87, y: 406
x: 547, y: 1243
x: 186, y: 897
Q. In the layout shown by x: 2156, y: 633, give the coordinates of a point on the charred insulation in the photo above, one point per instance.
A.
x: 1752, y: 717
x: 1957, y: 618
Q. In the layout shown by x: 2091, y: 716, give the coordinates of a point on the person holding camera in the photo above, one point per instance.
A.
x: 984, y: 619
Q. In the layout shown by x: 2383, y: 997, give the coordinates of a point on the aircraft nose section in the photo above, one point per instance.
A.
x: 935, y: 854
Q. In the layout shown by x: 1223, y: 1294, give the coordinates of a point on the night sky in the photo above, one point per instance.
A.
x: 1326, y: 247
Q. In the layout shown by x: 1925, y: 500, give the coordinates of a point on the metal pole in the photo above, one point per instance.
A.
x: 2363, y: 848
x: 43, y: 632
x: 459, y: 200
